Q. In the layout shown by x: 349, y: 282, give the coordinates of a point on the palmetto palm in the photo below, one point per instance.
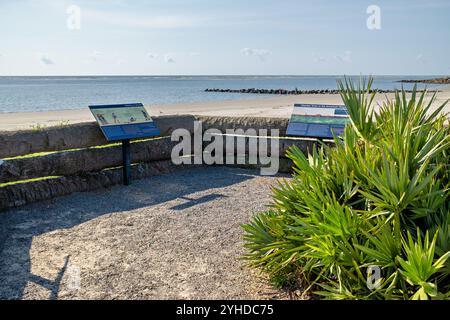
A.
x: 372, y: 199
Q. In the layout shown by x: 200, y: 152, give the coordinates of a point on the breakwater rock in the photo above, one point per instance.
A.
x: 445, y: 80
x: 287, y: 92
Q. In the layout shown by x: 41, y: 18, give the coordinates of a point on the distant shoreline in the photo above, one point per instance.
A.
x: 442, y: 80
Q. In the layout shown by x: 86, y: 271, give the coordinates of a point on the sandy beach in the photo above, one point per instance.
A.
x: 274, y: 106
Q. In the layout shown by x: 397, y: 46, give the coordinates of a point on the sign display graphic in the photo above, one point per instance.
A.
x: 318, y: 121
x: 124, y: 121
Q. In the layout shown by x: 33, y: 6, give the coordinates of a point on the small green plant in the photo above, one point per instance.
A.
x: 378, y: 198
x: 285, y: 279
x: 38, y: 126
x: 63, y: 123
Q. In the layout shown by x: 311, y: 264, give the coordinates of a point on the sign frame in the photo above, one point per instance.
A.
x: 126, y: 130
x: 117, y: 131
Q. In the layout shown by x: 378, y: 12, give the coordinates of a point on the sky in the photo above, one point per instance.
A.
x: 211, y: 37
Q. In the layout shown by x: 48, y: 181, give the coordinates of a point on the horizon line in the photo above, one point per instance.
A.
x: 226, y: 75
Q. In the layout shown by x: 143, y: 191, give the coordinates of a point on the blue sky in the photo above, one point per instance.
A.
x: 166, y: 37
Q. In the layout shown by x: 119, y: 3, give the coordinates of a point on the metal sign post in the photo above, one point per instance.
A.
x: 126, y: 162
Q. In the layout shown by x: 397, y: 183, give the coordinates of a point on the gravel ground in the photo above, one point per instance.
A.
x: 174, y: 236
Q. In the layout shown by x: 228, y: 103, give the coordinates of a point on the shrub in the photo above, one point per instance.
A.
x: 377, y: 198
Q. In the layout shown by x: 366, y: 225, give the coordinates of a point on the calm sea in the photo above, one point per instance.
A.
x: 20, y: 94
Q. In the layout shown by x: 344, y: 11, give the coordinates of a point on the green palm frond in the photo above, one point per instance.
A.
x: 371, y: 199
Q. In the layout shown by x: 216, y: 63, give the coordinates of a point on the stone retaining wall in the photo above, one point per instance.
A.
x: 78, y: 157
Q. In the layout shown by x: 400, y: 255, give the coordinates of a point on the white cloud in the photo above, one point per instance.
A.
x: 318, y: 58
x: 46, y: 60
x: 152, y: 55
x: 421, y: 58
x: 94, y: 56
x: 168, y: 58
x: 262, y: 54
x: 346, y: 57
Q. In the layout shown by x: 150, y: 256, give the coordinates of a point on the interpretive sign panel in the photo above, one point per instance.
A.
x: 317, y: 121
x: 124, y: 121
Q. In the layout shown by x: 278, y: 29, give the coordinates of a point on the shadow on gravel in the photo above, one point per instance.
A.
x: 52, y: 286
x: 193, y: 202
x: 19, y: 226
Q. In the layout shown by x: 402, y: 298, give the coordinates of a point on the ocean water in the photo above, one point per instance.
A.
x: 22, y: 94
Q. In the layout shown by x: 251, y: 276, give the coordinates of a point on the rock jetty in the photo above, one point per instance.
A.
x: 444, y: 80
x: 288, y: 92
